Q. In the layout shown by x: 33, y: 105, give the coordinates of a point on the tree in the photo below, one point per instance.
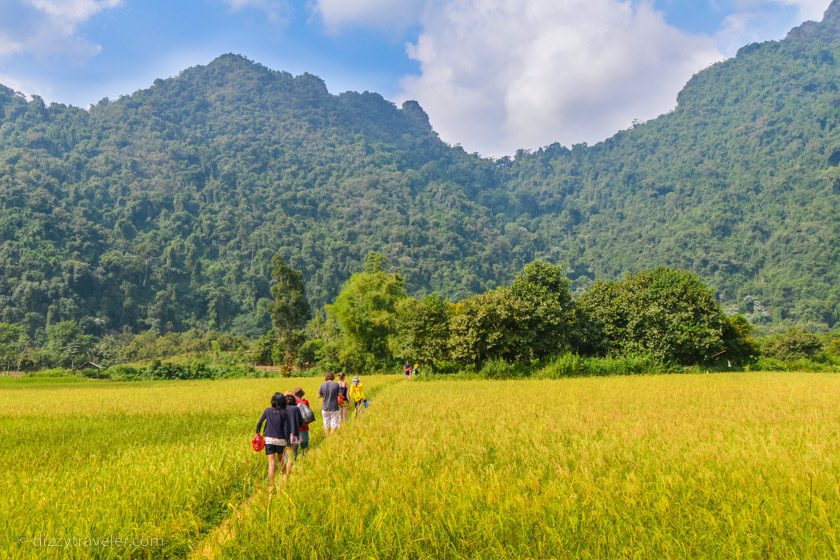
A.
x: 529, y: 320
x: 289, y: 309
x: 482, y: 328
x: 670, y: 314
x: 793, y: 344
x: 365, y: 311
x: 422, y: 330
x: 741, y: 347
x: 12, y: 341
x: 67, y: 345
x: 543, y: 304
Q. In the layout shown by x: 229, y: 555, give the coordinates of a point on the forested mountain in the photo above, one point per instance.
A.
x: 162, y: 209
x: 741, y: 183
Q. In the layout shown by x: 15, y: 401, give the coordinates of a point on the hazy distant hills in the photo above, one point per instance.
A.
x: 163, y: 208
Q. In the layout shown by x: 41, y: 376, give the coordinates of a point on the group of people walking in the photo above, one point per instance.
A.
x: 337, y: 397
x: 287, y: 420
x: 411, y: 371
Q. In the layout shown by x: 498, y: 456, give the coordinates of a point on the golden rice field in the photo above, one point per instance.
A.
x: 687, y: 466
x: 136, y: 460
x: 740, y: 465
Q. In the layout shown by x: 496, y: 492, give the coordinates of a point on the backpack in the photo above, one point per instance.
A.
x: 306, y: 413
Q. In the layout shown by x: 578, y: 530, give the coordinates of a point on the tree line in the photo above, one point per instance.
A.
x: 651, y: 320
x: 668, y: 315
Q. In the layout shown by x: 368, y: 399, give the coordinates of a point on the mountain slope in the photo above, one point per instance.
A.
x: 163, y: 208
x: 740, y: 183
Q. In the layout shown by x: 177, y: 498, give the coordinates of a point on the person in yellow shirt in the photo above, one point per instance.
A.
x: 357, y: 394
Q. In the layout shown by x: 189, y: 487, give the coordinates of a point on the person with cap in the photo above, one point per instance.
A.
x: 357, y: 393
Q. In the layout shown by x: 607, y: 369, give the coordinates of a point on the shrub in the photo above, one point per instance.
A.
x: 168, y: 370
x: 793, y: 344
x: 500, y: 369
x: 572, y: 365
x: 57, y: 372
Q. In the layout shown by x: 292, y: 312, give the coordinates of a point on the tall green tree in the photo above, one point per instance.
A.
x: 365, y: 311
x: 12, y: 341
x: 422, y: 333
x: 67, y: 345
x: 543, y: 303
x: 289, y: 308
x: 484, y: 327
x: 530, y: 319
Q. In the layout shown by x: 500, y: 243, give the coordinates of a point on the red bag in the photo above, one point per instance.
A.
x: 258, y: 443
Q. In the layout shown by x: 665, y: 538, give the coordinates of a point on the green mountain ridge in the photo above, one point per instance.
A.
x: 163, y: 208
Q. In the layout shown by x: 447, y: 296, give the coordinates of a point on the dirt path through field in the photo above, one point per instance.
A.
x: 208, y: 548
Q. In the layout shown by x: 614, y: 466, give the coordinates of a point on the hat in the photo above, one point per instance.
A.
x: 356, y: 380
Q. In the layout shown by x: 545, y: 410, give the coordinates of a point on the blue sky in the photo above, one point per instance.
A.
x: 494, y: 75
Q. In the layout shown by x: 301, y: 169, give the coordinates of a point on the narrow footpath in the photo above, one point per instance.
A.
x: 209, y: 547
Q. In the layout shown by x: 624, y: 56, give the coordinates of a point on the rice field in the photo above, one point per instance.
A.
x: 678, y: 466
x: 156, y: 464
x: 740, y: 465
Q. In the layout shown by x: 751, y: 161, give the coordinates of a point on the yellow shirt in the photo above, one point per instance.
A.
x: 357, y: 393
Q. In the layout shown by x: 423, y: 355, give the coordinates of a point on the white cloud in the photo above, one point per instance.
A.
x: 498, y: 75
x: 385, y: 14
x: 74, y: 11
x: 8, y: 45
x: 15, y: 84
x: 763, y: 20
x: 48, y: 27
x: 275, y: 11
x: 808, y: 9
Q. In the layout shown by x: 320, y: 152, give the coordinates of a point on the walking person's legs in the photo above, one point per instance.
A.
x: 304, y: 441
x: 288, y: 459
x: 271, y: 467
x: 330, y: 421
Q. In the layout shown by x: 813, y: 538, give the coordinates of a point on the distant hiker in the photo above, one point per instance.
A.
x: 304, y: 429
x: 328, y: 393
x: 407, y: 370
x: 357, y: 394
x: 343, y: 401
x: 295, y: 422
x: 415, y: 371
x: 276, y: 433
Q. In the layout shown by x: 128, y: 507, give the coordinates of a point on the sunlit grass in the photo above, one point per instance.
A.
x: 688, y: 466
x: 149, y: 459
